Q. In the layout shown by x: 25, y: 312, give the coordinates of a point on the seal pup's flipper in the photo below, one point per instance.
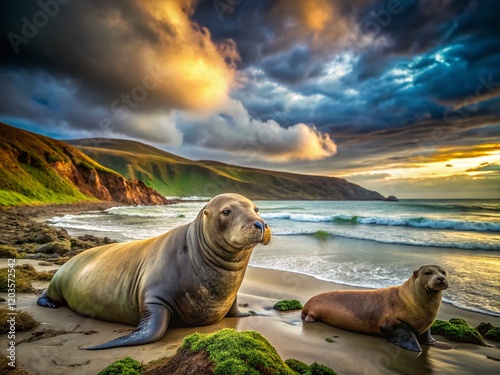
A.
x: 45, y: 301
x: 402, y: 336
x: 153, y: 325
x: 426, y: 338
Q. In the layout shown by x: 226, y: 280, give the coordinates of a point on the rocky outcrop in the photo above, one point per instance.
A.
x: 108, y: 186
x: 391, y: 198
x: 23, y: 237
x: 35, y: 170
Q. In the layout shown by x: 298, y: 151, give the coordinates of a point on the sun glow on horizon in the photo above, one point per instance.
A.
x: 456, y: 164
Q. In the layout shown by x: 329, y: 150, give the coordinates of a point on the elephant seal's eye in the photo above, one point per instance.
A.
x: 226, y: 212
x: 256, y: 209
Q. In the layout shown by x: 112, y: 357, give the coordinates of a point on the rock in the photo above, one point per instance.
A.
x: 62, y: 260
x: 44, y: 264
x: 391, y: 198
x: 29, y: 248
x: 55, y: 247
x: 8, y: 252
x: 43, y: 238
x: 88, y: 241
x: 224, y: 351
x: 36, y: 256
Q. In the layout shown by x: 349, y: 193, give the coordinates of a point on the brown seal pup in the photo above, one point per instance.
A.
x: 403, y: 314
x: 189, y: 275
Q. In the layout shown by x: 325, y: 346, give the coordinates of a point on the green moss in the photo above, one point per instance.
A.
x: 125, y: 366
x: 238, y: 353
x: 21, y: 283
x: 457, y: 330
x: 493, y: 334
x: 319, y: 369
x: 297, y: 366
x: 6, y: 369
x: 290, y: 304
x: 24, y: 274
x: 8, y: 252
x: 484, y: 327
x: 24, y: 321
x: 247, y: 353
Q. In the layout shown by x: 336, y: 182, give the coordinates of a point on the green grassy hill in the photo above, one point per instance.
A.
x: 172, y: 175
x: 39, y: 170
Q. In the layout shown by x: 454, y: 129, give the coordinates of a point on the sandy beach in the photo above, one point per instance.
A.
x: 58, y: 351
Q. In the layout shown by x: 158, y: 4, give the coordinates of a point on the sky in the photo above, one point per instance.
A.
x: 398, y: 96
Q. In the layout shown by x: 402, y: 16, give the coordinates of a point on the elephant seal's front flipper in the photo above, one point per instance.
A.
x: 402, y: 336
x: 153, y: 325
x: 45, y: 301
x: 234, y: 311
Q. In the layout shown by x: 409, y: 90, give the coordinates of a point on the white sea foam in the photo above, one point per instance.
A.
x: 417, y: 222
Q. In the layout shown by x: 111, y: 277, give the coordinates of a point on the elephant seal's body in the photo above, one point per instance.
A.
x: 189, y: 275
x: 403, y: 314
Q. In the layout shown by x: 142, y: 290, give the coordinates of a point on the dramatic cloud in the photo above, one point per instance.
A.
x: 232, y: 129
x: 377, y: 91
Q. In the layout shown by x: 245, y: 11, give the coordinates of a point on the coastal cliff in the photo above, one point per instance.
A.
x: 39, y: 170
x: 173, y: 175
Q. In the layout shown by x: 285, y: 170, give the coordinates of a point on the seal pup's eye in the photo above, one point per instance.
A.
x: 428, y: 273
x: 226, y: 212
x: 256, y: 209
x: 444, y: 273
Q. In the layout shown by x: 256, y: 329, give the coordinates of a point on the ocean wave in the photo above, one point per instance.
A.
x: 86, y: 227
x: 461, y: 207
x: 322, y: 234
x: 67, y: 218
x: 190, y: 198
x: 416, y: 222
x: 296, y: 217
x: 143, y: 212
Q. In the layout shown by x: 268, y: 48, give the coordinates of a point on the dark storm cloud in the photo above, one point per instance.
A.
x: 98, y: 66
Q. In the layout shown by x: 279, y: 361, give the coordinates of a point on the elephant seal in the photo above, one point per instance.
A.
x: 403, y: 314
x: 189, y: 275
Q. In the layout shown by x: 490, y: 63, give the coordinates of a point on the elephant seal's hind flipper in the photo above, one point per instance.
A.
x: 153, y: 325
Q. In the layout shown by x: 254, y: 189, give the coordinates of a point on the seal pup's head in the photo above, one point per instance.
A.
x: 433, y: 278
x: 234, y: 223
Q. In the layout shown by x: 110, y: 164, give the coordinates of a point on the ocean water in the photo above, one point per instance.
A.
x: 369, y: 244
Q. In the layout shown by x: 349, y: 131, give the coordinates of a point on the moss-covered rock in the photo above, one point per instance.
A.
x: 8, y: 252
x: 457, y: 330
x: 125, y: 366
x: 7, y: 369
x: 237, y: 353
x: 24, y: 274
x: 22, y: 283
x: 297, y: 366
x: 484, y: 327
x: 24, y: 321
x: 493, y: 334
x: 228, y: 352
x: 59, y: 247
x: 289, y: 304
x: 319, y: 369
